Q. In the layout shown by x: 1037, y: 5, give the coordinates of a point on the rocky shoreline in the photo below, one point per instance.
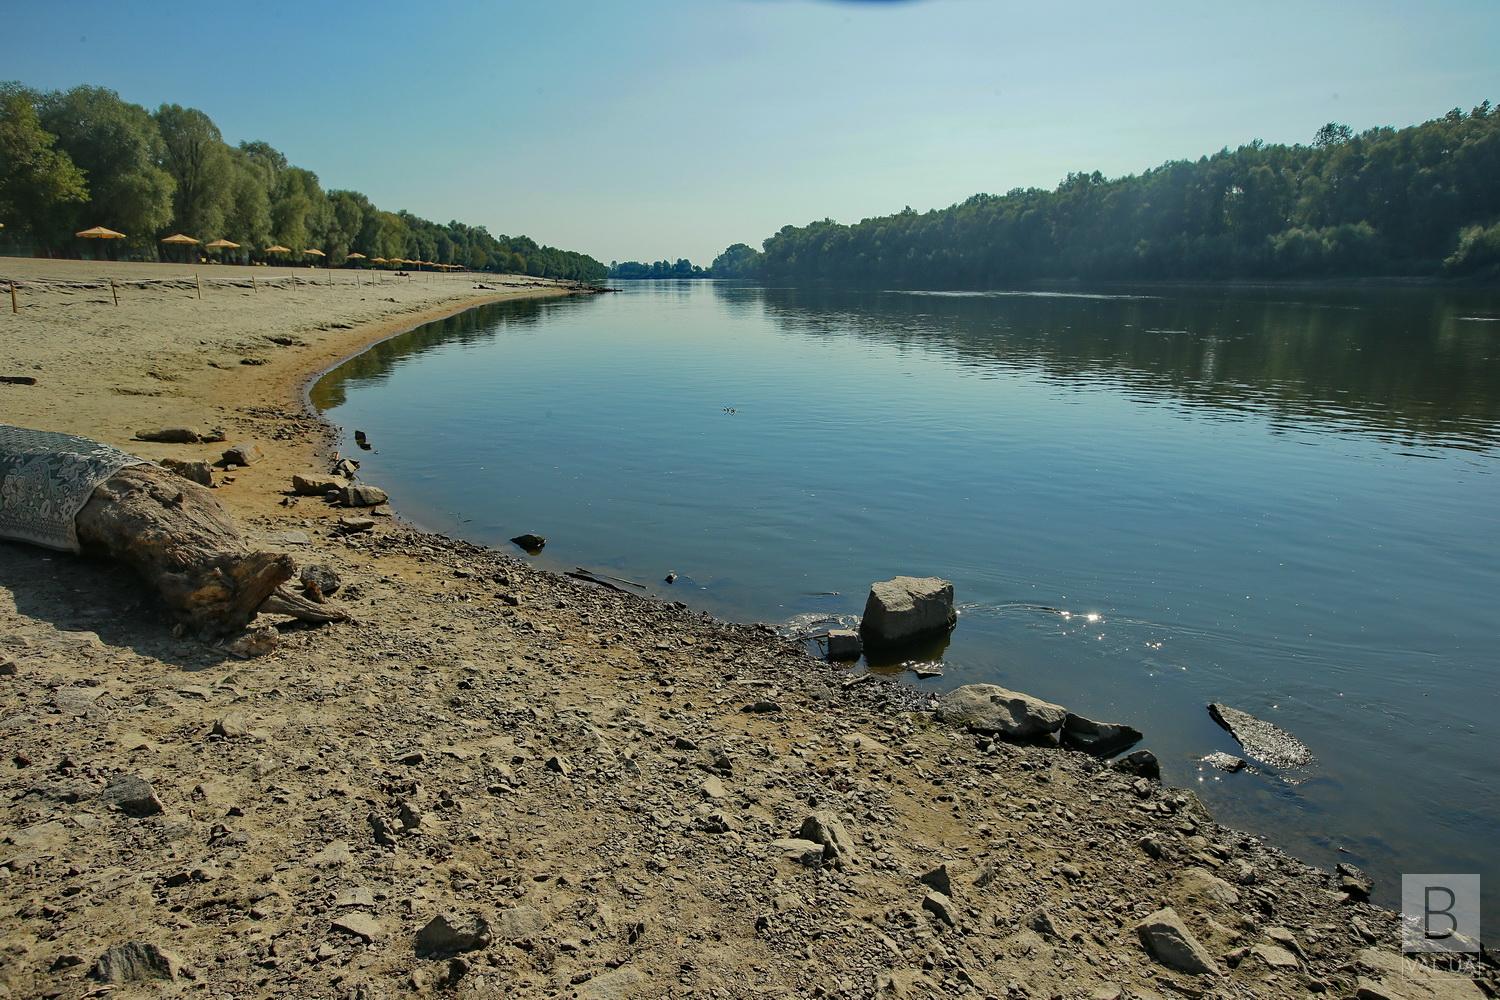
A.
x: 497, y: 781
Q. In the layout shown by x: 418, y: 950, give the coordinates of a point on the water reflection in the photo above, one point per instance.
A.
x: 473, y: 326
x: 1410, y: 366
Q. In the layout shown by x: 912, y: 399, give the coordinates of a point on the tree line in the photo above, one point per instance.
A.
x: 738, y: 261
x: 1422, y: 200
x: 84, y: 157
x: 635, y: 270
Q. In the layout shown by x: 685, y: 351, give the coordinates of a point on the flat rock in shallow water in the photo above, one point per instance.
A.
x: 1225, y: 761
x: 1265, y: 742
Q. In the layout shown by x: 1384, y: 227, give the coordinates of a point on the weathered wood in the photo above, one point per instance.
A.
x: 285, y: 602
x: 176, y: 535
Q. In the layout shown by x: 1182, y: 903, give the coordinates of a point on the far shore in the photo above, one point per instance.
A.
x: 498, y: 781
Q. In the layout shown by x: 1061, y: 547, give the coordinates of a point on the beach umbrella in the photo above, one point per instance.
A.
x: 100, y: 233
x: 181, y: 240
x: 221, y: 245
x: 356, y: 256
x: 378, y: 260
x: 278, y: 248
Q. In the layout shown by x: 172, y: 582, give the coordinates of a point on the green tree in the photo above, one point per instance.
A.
x: 1332, y: 134
x: 38, y: 183
x: 248, y: 220
x: 347, y: 220
x: 199, y: 162
x: 737, y: 261
x: 119, y: 147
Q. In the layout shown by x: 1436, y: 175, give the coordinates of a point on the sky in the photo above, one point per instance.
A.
x: 647, y: 130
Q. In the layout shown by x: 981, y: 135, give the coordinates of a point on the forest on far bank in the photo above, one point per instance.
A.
x: 75, y: 159
x: 1421, y: 201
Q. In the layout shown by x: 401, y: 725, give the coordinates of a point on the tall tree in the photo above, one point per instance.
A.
x: 119, y: 147
x: 248, y: 220
x: 199, y: 162
x: 38, y: 183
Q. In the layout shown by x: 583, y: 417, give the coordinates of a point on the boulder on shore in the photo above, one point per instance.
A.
x: 194, y: 472
x: 1102, y: 739
x: 906, y: 609
x: 451, y: 932
x: 315, y: 484
x: 244, y: 453
x: 1169, y: 941
x: 364, y: 495
x: 1140, y: 763
x: 844, y: 644
x: 990, y: 708
x: 530, y: 542
x: 134, y: 962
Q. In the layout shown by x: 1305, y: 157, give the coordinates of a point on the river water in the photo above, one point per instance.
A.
x: 1284, y: 499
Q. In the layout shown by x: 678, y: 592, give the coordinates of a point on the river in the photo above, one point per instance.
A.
x: 1285, y: 499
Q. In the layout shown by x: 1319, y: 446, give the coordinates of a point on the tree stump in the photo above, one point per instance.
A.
x: 177, y: 536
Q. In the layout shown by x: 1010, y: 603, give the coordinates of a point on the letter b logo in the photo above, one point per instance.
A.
x: 1440, y: 913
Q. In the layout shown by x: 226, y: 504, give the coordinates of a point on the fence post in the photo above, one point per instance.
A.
x: 113, y: 292
x: 199, y: 285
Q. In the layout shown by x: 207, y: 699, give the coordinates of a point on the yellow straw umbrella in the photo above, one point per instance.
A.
x: 221, y: 245
x: 181, y: 240
x: 355, y: 256
x: 100, y: 233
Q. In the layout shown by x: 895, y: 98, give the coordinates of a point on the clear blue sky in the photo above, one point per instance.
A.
x: 649, y: 129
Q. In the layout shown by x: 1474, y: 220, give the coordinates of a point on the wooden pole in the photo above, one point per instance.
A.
x: 113, y: 292
x: 199, y: 286
x: 13, y: 306
x: 253, y: 286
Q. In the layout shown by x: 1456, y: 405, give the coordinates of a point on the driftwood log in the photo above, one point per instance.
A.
x: 177, y: 536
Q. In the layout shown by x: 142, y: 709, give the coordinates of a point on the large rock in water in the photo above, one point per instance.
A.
x: 1265, y: 742
x: 990, y: 708
x: 906, y: 609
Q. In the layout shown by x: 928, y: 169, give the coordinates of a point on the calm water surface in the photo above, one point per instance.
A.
x: 1284, y: 499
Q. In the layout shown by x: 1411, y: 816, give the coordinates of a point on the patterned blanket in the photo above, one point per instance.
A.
x: 46, y: 478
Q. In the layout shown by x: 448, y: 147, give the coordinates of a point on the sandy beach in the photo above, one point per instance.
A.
x: 600, y: 795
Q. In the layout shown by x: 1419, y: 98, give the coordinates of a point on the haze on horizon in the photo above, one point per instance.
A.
x: 673, y: 129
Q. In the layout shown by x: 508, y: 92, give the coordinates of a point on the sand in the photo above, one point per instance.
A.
x: 577, y: 774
